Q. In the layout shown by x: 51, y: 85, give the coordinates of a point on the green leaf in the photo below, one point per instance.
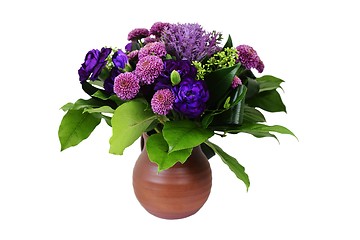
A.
x: 157, y: 149
x: 75, y: 127
x: 184, y: 134
x: 232, y: 163
x: 269, y: 101
x: 129, y: 121
x: 101, y: 95
x: 268, y: 82
x: 103, y: 109
x: 252, y: 88
x: 228, y: 43
x: 67, y: 106
x: 209, y: 153
x: 219, y: 82
x: 252, y: 115
x: 262, y: 130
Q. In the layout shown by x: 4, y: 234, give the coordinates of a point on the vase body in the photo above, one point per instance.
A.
x: 177, y: 192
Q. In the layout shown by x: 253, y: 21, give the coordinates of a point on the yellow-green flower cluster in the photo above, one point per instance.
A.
x: 223, y: 59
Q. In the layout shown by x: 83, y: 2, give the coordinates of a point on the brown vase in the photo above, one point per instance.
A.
x: 174, y: 193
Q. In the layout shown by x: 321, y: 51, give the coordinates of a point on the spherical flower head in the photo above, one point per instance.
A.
x: 126, y: 86
x: 236, y: 82
x: 190, y: 97
x: 155, y: 48
x: 120, y: 59
x: 249, y: 58
x: 162, y: 101
x: 157, y: 28
x: 148, y: 69
x: 138, y: 33
x: 149, y: 40
x: 133, y: 55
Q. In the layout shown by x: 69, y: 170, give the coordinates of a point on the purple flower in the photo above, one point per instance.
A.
x: 101, y: 63
x: 109, y: 82
x: 155, y: 48
x: 133, y: 55
x: 120, y: 59
x: 149, y: 40
x: 236, y: 82
x: 162, y: 101
x: 138, y: 33
x: 94, y: 62
x: 183, y: 67
x: 128, y: 47
x: 157, y: 28
x: 148, y: 68
x: 249, y: 58
x: 126, y: 86
x: 190, y: 97
x: 190, y: 41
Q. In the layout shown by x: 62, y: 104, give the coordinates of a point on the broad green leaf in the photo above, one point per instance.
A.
x: 67, y: 106
x: 129, y: 121
x: 228, y: 43
x: 75, y: 127
x: 232, y: 163
x: 82, y: 104
x: 184, y: 134
x: 157, y: 149
x: 219, y: 82
x: 103, y: 109
x: 107, y: 119
x: 207, y: 119
x: 101, y: 95
x: 262, y: 130
x: 268, y: 82
x: 269, y: 101
x: 252, y: 115
x: 252, y: 88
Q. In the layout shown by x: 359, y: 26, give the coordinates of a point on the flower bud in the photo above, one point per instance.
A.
x: 175, y: 78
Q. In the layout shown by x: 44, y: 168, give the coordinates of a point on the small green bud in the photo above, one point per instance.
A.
x: 175, y: 77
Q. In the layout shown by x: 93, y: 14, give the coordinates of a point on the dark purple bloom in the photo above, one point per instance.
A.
x: 101, y: 63
x: 249, y: 58
x: 190, y: 97
x: 120, y: 59
x: 157, y: 28
x: 89, y: 64
x: 190, y: 41
x: 138, y: 33
x: 109, y: 82
x: 183, y: 67
x: 128, y: 47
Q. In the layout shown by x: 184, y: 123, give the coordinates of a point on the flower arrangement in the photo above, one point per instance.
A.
x: 179, y: 84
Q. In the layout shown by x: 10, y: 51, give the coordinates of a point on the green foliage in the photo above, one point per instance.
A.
x: 129, y: 121
x: 76, y: 126
x: 219, y: 82
x: 158, y: 152
x: 252, y: 115
x: 267, y: 83
x: 268, y: 100
x: 184, y: 134
x: 232, y: 163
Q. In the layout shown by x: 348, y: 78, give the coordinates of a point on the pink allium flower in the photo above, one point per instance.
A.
x: 236, y: 82
x: 162, y: 101
x: 249, y: 58
x: 155, y: 48
x: 148, y: 68
x: 138, y: 33
x: 126, y: 86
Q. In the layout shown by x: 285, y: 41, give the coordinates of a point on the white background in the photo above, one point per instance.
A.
x: 299, y: 190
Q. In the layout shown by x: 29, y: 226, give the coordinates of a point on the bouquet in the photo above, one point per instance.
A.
x: 178, y: 84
